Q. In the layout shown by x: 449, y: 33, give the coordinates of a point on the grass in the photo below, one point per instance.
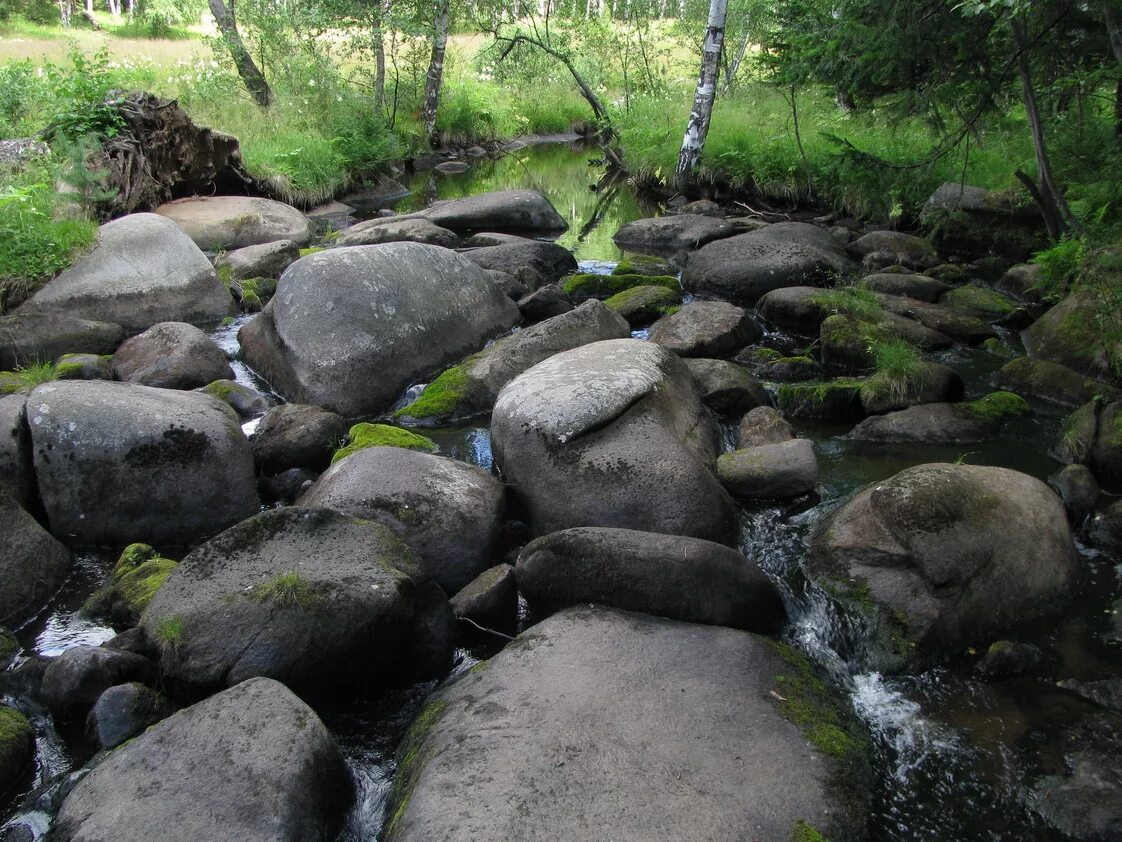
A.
x: 901, y: 372
x: 856, y: 302
x: 27, y: 377
x: 171, y: 631
x: 288, y: 590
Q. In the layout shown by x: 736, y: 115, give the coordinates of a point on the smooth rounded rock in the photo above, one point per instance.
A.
x: 295, y: 435
x: 378, y: 231
x: 171, y: 355
x: 726, y: 387
x: 668, y: 235
x: 763, y: 425
x: 30, y: 337
x: 267, y: 260
x: 76, y: 679
x: 125, y: 710
x: 770, y: 471
x: 706, y: 329
x: 533, y: 262
x: 490, y: 599
x: 225, y: 223
x: 502, y: 210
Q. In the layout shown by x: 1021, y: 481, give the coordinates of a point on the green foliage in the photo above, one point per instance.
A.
x: 288, y: 590
x: 440, y: 398
x: 856, y: 302
x: 27, y: 377
x: 1061, y: 263
x: 804, y: 832
x: 590, y: 285
x: 362, y: 436
x: 82, y: 105
x: 15, y: 730
x: 901, y: 372
x: 171, y: 631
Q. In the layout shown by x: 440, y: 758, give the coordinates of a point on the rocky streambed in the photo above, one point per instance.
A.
x: 751, y: 531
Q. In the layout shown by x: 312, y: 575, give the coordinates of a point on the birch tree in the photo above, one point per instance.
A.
x: 247, y: 69
x: 698, y: 126
x: 435, y: 76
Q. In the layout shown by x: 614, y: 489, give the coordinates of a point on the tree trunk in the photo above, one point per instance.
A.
x: 436, y: 69
x: 379, y: 56
x: 698, y: 126
x: 733, y: 66
x: 89, y: 7
x: 64, y: 12
x: 1113, y: 31
x: 253, y: 78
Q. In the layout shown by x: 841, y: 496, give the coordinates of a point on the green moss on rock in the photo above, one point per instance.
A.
x: 138, y: 574
x: 440, y: 398
x: 589, y: 285
x: 997, y: 406
x: 409, y: 761
x: 979, y: 301
x: 804, y: 832
x: 310, y: 250
x: 362, y: 436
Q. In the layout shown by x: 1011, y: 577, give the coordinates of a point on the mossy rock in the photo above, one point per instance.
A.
x: 643, y: 304
x: 441, y: 398
x: 846, y: 343
x: 586, y: 285
x: 948, y: 273
x: 642, y: 265
x: 998, y: 348
x: 311, y: 250
x: 137, y: 575
x: 979, y: 301
x: 253, y: 293
x: 997, y: 406
x: 17, y: 745
x: 9, y: 646
x: 362, y: 436
x: 838, y: 400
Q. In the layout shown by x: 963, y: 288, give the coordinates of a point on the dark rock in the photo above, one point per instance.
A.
x: 267, y: 260
x: 1069, y: 334
x: 985, y: 304
x: 295, y: 435
x: 17, y: 746
x: 515, y: 290
x: 76, y: 678
x: 225, y: 223
x: 919, y: 287
x: 17, y: 475
x: 171, y: 355
x: 246, y: 402
x: 706, y: 329
x: 763, y: 425
x: 945, y: 320
x: 1106, y: 528
x: 795, y: 309
x: 668, y: 235
x: 32, y: 564
x: 1081, y: 799
x: 836, y: 401
x: 904, y: 249
x: 503, y: 210
x: 84, y: 367
x: 726, y: 387
x: 1024, y: 282
x: 943, y: 423
x: 288, y: 485
x: 533, y: 262
x: 1077, y: 487
x: 642, y: 305
x: 1007, y: 657
x: 544, y: 303
x: 124, y: 711
x: 973, y: 221
x: 702, y: 207
x: 928, y: 383
x: 770, y: 471
x: 30, y: 337
x: 1092, y: 436
x: 790, y: 370
x: 490, y: 599
x: 1105, y: 693
x: 1051, y: 382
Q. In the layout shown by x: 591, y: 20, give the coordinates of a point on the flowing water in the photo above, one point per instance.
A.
x: 954, y: 754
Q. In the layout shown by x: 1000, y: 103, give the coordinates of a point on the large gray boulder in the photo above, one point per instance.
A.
x: 267, y: 260
x: 533, y: 262
x: 28, y: 337
x: 251, y: 763
x: 581, y: 691
x: 17, y: 474
x: 395, y: 230
x: 612, y: 434
x: 502, y: 210
x: 350, y: 328
x: 295, y: 435
x: 171, y: 355
x: 471, y: 388
x: 448, y: 512
x: 973, y: 221
x: 225, y: 223
x: 669, y: 235
x: 1068, y: 334
x: 706, y: 329
x: 117, y: 463
x: 33, y: 565
x: 668, y: 575
x: 942, y: 556
x: 776, y: 471
x: 142, y: 271
x: 745, y: 267
x: 310, y: 597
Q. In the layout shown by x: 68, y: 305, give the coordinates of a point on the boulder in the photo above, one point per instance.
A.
x: 1069, y: 334
x: 492, y: 238
x: 726, y: 387
x: 668, y: 235
x: 225, y: 223
x: 377, y: 195
x: 533, y: 262
x: 619, y: 427
x: 941, y: 556
x: 17, y: 474
x: 350, y: 328
x: 1025, y: 282
x: 142, y: 271
x: 983, y: 303
x: 770, y: 471
x: 919, y: 287
x: 267, y: 260
x: 1051, y: 382
x: 365, y: 435
x: 903, y: 249
x: 974, y: 221
x: 834, y: 401
x: 253, y: 762
x: 585, y: 285
x: 448, y: 512
x: 397, y: 230
x: 310, y: 597
x: 515, y: 290
x: 947, y: 321
x: 124, y: 711
x: 581, y: 689
x: 502, y: 210
x: 117, y: 463
x: 171, y: 355
x: 246, y: 402
x: 1077, y: 487
x: 76, y: 679
x: 943, y: 423
x: 33, y: 565
x: 490, y: 599
x: 136, y: 577
x: 471, y: 388
x: 295, y: 435
x: 671, y: 576
x: 1007, y: 657
x: 763, y: 425
x: 644, y: 304
x: 1092, y: 436
x: 794, y: 309
x: 84, y: 367
x: 926, y: 382
x: 706, y: 329
x: 544, y: 303
x: 745, y: 267
x: 789, y: 370
x: 17, y: 746
x: 30, y: 337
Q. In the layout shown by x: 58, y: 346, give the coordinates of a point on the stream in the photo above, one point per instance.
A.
x: 954, y: 752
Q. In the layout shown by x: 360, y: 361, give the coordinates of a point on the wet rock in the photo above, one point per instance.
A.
x: 136, y: 577
x: 940, y: 556
x: 1077, y: 487
x: 619, y: 426
x: 904, y: 249
x: 770, y: 471
x: 490, y: 599
x: 124, y: 711
x: 943, y: 423
x: 763, y: 425
x: 246, y: 402
x: 288, y: 485
x: 32, y: 564
x: 642, y: 305
x: 84, y: 367
x: 928, y: 383
x: 253, y: 762
x: 310, y: 597
x: 1092, y: 436
x: 17, y: 746
x: 17, y: 476
x: 1106, y: 528
x: 1007, y: 657
x: 502, y: 210
x: 76, y: 678
x: 117, y: 463
x: 171, y: 355
x: 836, y: 401
x: 142, y: 271
x: 745, y: 267
x: 1051, y: 382
x: 225, y: 223
x: 319, y: 340
x: 9, y: 648
x: 533, y: 262
x: 396, y: 230
x: 982, y: 303
x: 667, y: 575
x: 947, y: 321
x: 919, y: 287
x: 514, y: 288
x: 472, y: 387
x: 295, y: 435
x: 448, y: 512
x: 1105, y: 693
x: 576, y: 775
x: 726, y: 387
x: 973, y: 221
x: 706, y: 329
x: 544, y: 303
x: 28, y: 337
x: 668, y: 235
x: 795, y: 309
x: 1068, y: 334
x: 267, y: 260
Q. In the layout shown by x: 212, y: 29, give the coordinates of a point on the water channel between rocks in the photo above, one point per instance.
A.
x: 953, y: 753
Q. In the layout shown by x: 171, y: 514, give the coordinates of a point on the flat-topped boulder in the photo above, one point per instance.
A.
x: 554, y: 734
x: 903, y: 249
x: 502, y: 210
x: 143, y: 270
x: 350, y: 328
x: 943, y: 423
x: 30, y: 337
x: 668, y: 235
x: 706, y: 329
x: 533, y: 262
x: 266, y: 260
x: 745, y: 267
x: 117, y: 463
x: 171, y: 355
x: 393, y: 230
x: 252, y: 763
x: 920, y: 287
x: 32, y: 563
x: 224, y: 223
x: 612, y: 434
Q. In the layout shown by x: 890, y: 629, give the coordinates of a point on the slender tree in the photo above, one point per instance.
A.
x: 251, y: 75
x: 435, y: 76
x: 698, y: 126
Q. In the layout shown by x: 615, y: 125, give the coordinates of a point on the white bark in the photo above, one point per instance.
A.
x: 435, y: 75
x: 698, y: 126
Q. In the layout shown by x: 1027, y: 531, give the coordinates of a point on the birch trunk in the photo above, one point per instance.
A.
x: 251, y: 75
x: 436, y: 69
x: 379, y: 55
x: 698, y: 126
